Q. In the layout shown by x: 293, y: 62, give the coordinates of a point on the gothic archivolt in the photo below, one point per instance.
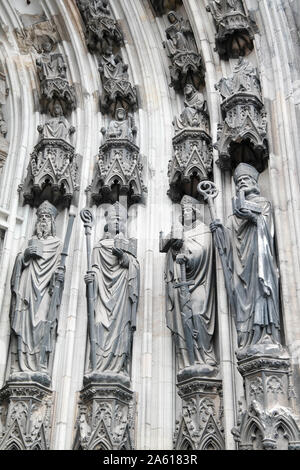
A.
x: 99, y: 93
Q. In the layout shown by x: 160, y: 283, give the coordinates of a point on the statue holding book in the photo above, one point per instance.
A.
x: 190, y: 289
x: 35, y: 300
x: 251, y: 273
x: 115, y: 278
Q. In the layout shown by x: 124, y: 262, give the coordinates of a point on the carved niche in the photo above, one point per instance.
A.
x: 106, y: 418
x: 200, y: 425
x: 243, y: 135
x: 234, y: 36
x: 101, y: 30
x: 162, y: 6
x: 187, y: 65
x: 266, y: 420
x: 117, y: 89
x: 25, y: 417
x: 3, y: 125
x: 52, y: 73
x: 192, y: 156
x: 119, y: 169
x: 53, y: 172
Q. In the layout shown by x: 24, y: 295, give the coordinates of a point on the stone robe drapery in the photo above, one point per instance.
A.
x: 51, y: 66
x: 116, y: 298
x: 190, y: 117
x: 30, y: 285
x: 198, y: 248
x: 56, y: 128
x: 119, y: 130
x: 255, y: 279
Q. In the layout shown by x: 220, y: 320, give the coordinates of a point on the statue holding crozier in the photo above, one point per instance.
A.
x: 37, y: 285
x: 249, y: 265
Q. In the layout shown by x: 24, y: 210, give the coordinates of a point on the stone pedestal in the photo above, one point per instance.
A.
x: 191, y: 162
x: 52, y: 174
x: 119, y: 172
x: 267, y: 420
x: 25, y: 416
x: 106, y: 417
x: 200, y: 424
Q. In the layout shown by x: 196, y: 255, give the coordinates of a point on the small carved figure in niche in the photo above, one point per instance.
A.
x: 245, y: 79
x: 102, y: 30
x: 58, y: 127
x: 34, y: 300
x: 195, y: 106
x: 115, y: 278
x: 3, y: 125
x: 190, y: 288
x: 98, y: 6
x: 252, y: 270
x: 121, y: 127
x: 181, y: 47
x: 112, y: 66
x: 50, y: 65
x: 179, y: 35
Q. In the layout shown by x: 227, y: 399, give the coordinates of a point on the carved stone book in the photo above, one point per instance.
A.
x: 38, y: 244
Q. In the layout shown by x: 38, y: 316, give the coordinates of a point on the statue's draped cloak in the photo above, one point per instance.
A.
x: 31, y: 283
x: 56, y: 128
x: 116, y: 299
x: 200, y: 314
x: 255, y: 278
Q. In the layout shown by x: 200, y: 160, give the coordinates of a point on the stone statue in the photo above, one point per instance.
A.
x: 50, y: 65
x: 190, y: 287
x: 33, y: 302
x: 97, y: 7
x: 245, y: 79
x: 219, y: 8
x: 195, y: 106
x: 179, y: 35
x: 250, y: 256
x: 121, y: 127
x: 58, y: 127
x: 115, y: 277
x: 112, y: 66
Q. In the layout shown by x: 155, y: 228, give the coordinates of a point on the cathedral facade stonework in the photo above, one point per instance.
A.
x: 149, y: 225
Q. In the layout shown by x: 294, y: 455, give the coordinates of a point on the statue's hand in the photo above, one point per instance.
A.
x: 214, y: 225
x: 72, y: 130
x: 245, y: 214
x: 195, y: 334
x: 89, y: 277
x: 60, y: 275
x: 118, y: 253
x: 181, y: 259
x: 30, y: 252
x: 40, y: 128
x: 177, y: 245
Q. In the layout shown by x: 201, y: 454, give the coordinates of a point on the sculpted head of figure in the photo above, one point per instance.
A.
x: 189, y: 90
x: 246, y: 179
x: 190, y: 211
x: 120, y: 114
x: 172, y: 17
x: 45, y: 225
x: 116, y: 218
x: 57, y: 110
x: 47, y: 44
